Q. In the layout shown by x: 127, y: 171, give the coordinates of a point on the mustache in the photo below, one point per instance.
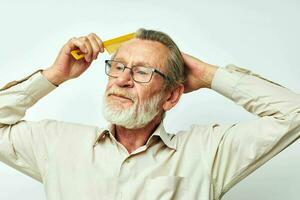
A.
x: 121, y: 93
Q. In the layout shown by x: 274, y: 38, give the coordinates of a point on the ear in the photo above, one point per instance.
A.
x: 173, y: 97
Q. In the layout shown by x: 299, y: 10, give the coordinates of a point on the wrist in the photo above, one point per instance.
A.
x: 53, y: 77
x: 208, y: 75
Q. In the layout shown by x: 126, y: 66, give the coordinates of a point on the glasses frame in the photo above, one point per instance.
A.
x: 131, y: 72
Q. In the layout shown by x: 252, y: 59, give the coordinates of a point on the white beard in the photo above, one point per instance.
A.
x: 136, y: 116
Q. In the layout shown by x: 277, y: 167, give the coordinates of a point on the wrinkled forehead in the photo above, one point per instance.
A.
x: 151, y: 53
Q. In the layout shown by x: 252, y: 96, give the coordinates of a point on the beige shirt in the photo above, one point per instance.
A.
x: 80, y: 162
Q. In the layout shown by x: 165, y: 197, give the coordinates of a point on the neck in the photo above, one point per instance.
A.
x: 132, y: 139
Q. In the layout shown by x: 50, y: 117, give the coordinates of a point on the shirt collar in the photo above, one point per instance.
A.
x: 168, y: 139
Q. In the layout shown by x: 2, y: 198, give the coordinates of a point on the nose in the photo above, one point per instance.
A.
x: 125, y: 79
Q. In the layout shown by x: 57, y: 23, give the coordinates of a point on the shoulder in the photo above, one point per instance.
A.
x: 52, y: 129
x: 204, y: 135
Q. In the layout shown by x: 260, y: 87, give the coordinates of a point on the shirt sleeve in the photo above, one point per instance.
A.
x: 24, y: 144
x: 240, y: 148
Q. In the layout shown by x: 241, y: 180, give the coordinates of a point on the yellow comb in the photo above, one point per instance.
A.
x: 110, y: 45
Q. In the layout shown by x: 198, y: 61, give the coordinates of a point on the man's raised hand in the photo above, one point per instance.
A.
x: 66, y: 67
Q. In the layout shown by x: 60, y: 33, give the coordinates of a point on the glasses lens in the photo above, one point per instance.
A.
x: 114, y: 68
x: 141, y: 74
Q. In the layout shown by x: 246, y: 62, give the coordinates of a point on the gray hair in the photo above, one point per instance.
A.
x: 174, y: 62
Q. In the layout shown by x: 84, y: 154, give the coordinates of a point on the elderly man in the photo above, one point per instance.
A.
x: 135, y: 157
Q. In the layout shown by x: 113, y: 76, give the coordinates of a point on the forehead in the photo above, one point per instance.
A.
x: 151, y: 53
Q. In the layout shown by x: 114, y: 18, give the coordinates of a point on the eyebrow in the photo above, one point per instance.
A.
x: 134, y: 63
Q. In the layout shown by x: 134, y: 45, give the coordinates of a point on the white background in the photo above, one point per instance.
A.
x: 260, y: 35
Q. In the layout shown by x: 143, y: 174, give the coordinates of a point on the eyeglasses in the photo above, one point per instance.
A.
x: 140, y: 74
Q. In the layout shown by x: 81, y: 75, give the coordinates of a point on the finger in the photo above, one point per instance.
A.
x: 74, y: 43
x: 100, y: 42
x: 89, y: 54
x: 95, y: 46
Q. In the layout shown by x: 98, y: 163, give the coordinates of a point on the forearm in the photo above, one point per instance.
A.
x: 16, y: 99
x: 255, y: 93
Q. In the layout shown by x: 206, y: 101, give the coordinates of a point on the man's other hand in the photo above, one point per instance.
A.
x: 199, y: 74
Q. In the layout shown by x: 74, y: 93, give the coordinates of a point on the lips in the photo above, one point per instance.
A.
x: 119, y: 96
